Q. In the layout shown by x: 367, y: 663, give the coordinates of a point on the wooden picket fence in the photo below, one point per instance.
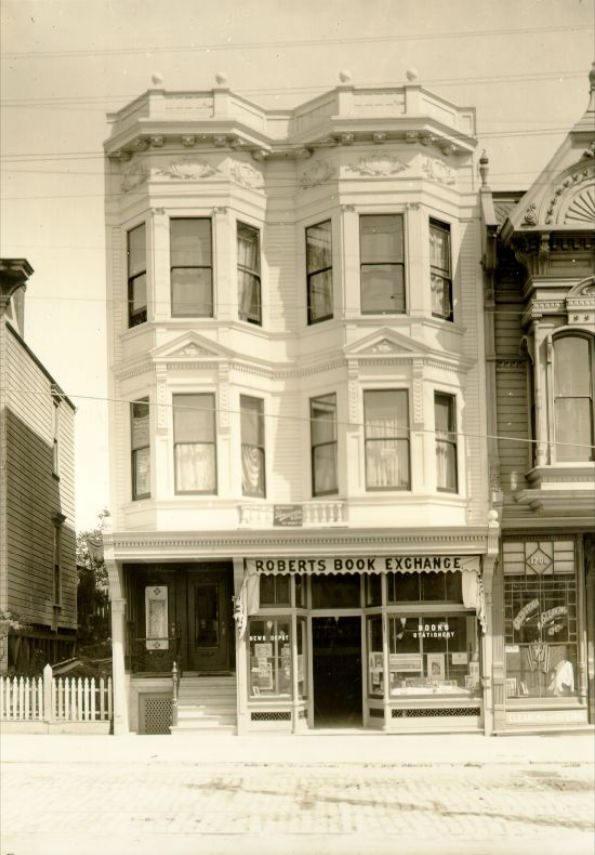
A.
x: 52, y: 699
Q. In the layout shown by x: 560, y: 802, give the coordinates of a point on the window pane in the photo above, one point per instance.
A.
x: 141, y: 485
x: 446, y: 466
x: 270, y: 658
x: 248, y: 250
x: 140, y: 424
x: 195, y: 467
x: 441, y: 296
x: 572, y: 368
x: 382, y: 288
x: 325, y: 469
x: 137, y: 258
x: 249, y: 297
x: 318, y: 247
x: 138, y: 293
x: 381, y: 238
x: 252, y: 471
x: 191, y: 292
x: 443, y: 405
x: 387, y: 413
x: 320, y: 290
x: 323, y: 412
x: 387, y: 464
x: 440, y: 248
x: 574, y: 431
x: 340, y: 591
x: 190, y: 242
x: 252, y: 421
x: 194, y: 418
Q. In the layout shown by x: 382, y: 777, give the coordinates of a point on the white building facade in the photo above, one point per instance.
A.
x: 300, y: 509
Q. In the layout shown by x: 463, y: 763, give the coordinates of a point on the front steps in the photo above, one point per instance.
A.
x: 207, y: 705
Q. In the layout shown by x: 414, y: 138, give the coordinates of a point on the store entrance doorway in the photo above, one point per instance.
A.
x: 337, y: 664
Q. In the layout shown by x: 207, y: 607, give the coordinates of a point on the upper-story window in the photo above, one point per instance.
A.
x: 253, y: 456
x: 195, y: 451
x: 140, y: 445
x: 446, y: 442
x: 323, y: 434
x: 440, y: 270
x: 574, y: 415
x: 382, y: 264
x: 319, y: 272
x: 191, y: 268
x: 137, y: 276
x: 249, y: 289
x: 387, y: 439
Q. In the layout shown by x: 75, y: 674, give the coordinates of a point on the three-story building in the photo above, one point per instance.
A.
x: 300, y: 509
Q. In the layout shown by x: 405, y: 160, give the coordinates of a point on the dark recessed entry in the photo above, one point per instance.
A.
x: 337, y: 671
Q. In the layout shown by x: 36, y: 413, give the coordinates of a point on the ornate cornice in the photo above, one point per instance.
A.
x: 195, y: 545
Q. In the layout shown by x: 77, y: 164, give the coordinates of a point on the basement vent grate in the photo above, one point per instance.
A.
x: 270, y: 716
x: 376, y: 713
x: 436, y: 713
x: 155, y: 714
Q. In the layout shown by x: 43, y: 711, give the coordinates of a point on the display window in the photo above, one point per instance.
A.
x: 429, y: 654
x: 302, y: 659
x: 424, y: 587
x: 270, y: 658
x: 540, y: 619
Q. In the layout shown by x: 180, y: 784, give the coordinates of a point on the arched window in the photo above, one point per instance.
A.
x: 573, y: 397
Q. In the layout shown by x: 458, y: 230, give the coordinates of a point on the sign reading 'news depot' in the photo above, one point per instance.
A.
x: 367, y: 564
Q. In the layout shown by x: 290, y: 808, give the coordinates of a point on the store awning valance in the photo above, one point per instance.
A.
x: 363, y: 565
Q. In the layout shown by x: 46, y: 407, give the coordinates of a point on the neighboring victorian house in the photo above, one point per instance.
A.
x: 539, y: 256
x: 299, y: 500
x: 37, y: 531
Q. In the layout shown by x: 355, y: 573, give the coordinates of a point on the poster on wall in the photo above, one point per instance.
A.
x: 435, y: 665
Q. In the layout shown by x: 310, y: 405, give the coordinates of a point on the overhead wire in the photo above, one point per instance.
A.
x: 293, y: 43
x: 285, y: 418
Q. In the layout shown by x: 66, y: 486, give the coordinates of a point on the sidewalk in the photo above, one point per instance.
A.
x: 323, y: 747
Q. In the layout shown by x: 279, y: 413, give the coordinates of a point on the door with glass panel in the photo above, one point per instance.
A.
x: 209, y: 619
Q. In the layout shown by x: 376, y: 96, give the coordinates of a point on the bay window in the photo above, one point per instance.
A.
x: 440, y: 270
x: 386, y: 414
x: 195, y: 454
x: 140, y: 442
x: 191, y: 268
x: 137, y: 275
x: 249, y: 290
x: 574, y: 414
x: 253, y: 456
x: 319, y: 272
x: 382, y: 268
x: 446, y: 443
x: 323, y: 435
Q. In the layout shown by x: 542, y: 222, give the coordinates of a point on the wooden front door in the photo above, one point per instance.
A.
x: 209, y: 621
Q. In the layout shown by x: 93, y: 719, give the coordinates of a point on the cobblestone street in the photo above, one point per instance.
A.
x: 165, y: 802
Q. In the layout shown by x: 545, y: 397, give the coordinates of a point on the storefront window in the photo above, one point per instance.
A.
x: 373, y: 591
x: 424, y: 587
x: 270, y: 658
x: 300, y: 591
x: 275, y: 590
x: 341, y: 591
x: 433, y: 655
x: 375, y: 656
x: 302, y: 659
x: 540, y: 618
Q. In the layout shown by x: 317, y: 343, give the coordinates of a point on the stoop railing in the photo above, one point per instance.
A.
x: 56, y: 700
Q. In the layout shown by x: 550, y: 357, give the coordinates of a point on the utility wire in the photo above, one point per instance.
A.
x: 303, y: 421
x: 295, y: 43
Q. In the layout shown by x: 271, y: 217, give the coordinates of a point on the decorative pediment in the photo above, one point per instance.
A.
x: 190, y: 346
x: 387, y: 342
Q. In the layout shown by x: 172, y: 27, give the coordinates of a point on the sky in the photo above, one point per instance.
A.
x: 523, y: 64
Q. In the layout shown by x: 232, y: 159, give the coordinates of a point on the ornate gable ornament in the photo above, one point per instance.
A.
x: 189, y: 347
x: 572, y: 201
